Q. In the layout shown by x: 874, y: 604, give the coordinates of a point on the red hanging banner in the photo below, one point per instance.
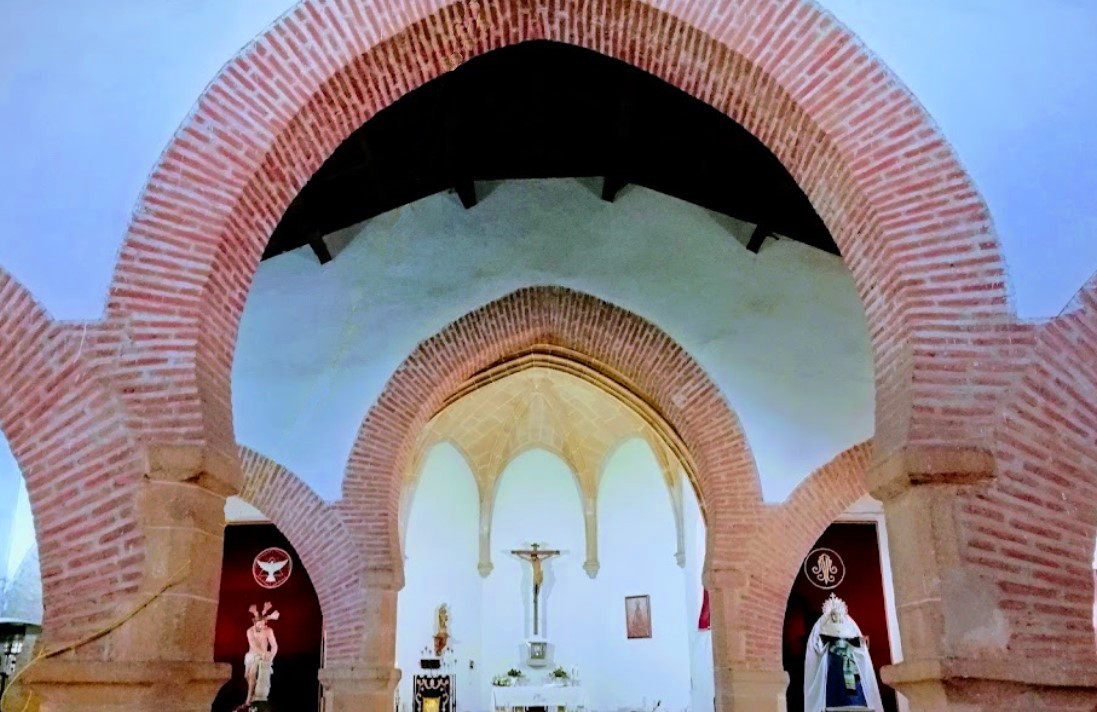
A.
x: 703, y: 623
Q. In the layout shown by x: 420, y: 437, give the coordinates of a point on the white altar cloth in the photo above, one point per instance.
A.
x: 570, y: 697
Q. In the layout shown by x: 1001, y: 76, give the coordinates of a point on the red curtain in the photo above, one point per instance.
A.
x: 703, y: 623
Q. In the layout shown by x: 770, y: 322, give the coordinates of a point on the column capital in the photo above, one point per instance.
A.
x: 382, y: 578
x: 725, y: 579
x: 202, y: 466
x: 891, y: 474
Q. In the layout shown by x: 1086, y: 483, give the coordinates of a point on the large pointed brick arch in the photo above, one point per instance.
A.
x: 637, y: 354
x: 912, y: 228
x: 82, y: 470
x: 323, y: 543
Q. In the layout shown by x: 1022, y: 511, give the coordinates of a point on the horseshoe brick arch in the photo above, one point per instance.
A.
x: 912, y: 228
x: 317, y: 533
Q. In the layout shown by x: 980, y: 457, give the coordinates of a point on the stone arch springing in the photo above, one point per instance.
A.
x: 911, y: 226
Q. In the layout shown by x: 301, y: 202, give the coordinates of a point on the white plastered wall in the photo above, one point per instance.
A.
x: 583, y: 617
x: 781, y: 333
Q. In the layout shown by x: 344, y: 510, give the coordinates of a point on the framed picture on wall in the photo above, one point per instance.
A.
x: 638, y: 616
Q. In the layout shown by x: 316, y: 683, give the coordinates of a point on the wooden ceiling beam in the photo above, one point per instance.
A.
x: 620, y: 137
x: 466, y: 191
x: 761, y: 232
x: 320, y: 248
x: 621, y: 125
x: 611, y: 186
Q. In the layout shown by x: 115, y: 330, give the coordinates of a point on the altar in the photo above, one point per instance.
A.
x: 570, y: 697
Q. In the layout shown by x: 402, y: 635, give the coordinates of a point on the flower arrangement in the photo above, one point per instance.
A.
x: 511, y: 677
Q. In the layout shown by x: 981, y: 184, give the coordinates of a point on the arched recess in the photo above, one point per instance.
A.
x: 785, y: 537
x: 490, y: 503
x: 415, y: 473
x: 324, y: 545
x: 910, y: 224
x: 630, y: 354
x: 671, y: 470
x: 82, y: 470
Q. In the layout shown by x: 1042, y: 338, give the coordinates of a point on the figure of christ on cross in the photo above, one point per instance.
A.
x: 535, y: 555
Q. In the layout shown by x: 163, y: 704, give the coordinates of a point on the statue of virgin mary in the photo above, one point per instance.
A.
x: 838, y: 672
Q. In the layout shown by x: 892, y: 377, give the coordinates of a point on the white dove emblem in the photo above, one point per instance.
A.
x: 272, y: 567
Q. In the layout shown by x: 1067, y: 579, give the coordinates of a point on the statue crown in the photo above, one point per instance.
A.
x: 833, y: 604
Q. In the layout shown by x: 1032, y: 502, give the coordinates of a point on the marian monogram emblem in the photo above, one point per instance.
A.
x: 824, y: 569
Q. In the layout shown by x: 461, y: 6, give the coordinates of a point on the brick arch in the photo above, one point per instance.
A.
x: 912, y: 228
x: 785, y: 537
x: 634, y: 352
x: 81, y: 467
x: 322, y: 541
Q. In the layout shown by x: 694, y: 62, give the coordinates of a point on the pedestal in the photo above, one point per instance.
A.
x: 97, y: 686
x: 751, y: 691
x: 353, y: 689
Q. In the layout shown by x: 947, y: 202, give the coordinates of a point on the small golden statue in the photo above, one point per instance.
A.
x: 441, y: 633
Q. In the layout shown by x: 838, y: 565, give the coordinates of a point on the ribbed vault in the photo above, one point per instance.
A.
x: 547, y: 404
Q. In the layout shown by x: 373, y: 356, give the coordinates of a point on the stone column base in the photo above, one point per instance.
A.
x: 97, y: 686
x: 359, y: 689
x: 751, y: 690
x: 989, y: 686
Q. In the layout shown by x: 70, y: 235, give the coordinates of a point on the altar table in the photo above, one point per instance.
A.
x: 548, y: 696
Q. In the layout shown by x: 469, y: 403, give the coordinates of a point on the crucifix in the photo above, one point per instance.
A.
x: 535, y: 555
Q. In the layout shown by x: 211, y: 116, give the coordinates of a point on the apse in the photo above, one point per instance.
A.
x: 582, y: 617
x: 543, y: 465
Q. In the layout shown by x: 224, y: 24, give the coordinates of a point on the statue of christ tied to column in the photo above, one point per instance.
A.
x: 259, y: 660
x: 535, y: 555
